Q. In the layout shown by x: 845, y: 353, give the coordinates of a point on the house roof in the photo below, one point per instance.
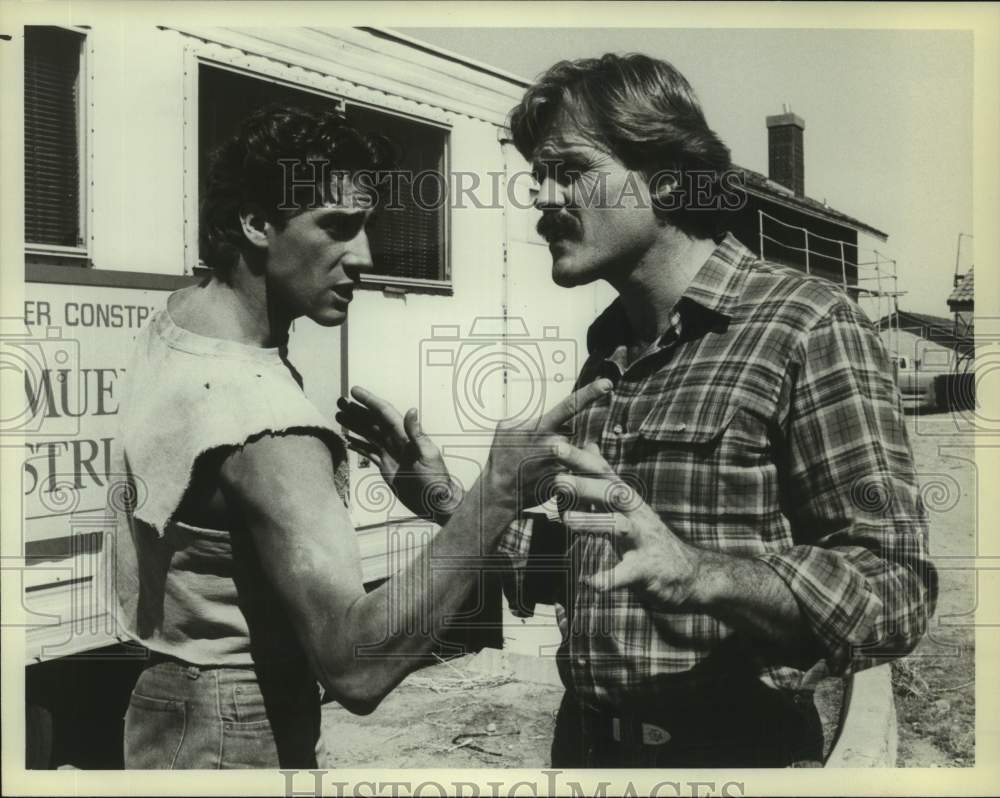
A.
x: 963, y: 293
x: 762, y: 186
x: 940, y: 329
x: 908, y: 320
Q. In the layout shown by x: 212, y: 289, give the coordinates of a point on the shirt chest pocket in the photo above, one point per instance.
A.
x: 685, y: 427
x: 727, y: 434
x: 694, y: 461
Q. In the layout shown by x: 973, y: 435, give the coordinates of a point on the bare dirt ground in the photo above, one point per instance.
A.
x: 437, y: 719
x: 456, y: 716
x: 935, y: 685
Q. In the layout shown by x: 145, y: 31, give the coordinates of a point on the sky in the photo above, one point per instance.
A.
x: 888, y: 119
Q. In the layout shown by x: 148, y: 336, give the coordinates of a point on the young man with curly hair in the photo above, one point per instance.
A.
x: 238, y: 565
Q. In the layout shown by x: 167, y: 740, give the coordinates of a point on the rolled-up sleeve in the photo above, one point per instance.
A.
x: 858, y: 568
x: 515, y: 544
x: 536, y: 546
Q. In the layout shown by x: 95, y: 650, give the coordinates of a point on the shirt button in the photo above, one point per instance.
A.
x: 617, y: 429
x: 581, y: 661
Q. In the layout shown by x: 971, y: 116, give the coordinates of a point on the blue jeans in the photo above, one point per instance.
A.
x: 183, y: 716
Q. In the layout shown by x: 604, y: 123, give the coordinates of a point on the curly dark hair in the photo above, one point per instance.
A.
x: 641, y: 109
x: 247, y: 170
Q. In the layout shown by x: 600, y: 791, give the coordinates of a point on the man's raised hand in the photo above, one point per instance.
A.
x: 660, y: 567
x: 523, y: 454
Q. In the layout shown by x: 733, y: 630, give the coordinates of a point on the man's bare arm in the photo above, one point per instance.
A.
x: 362, y: 645
x: 309, y: 551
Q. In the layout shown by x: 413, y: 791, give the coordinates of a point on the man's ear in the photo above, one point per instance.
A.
x: 664, y: 192
x: 254, y: 225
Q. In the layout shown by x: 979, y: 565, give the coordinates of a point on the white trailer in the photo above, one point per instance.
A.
x: 462, y: 320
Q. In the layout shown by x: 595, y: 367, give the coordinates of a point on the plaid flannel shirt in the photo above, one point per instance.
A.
x: 765, y: 423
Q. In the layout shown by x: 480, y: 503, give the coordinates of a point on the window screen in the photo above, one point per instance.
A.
x: 408, y: 237
x: 51, y: 137
x: 406, y: 242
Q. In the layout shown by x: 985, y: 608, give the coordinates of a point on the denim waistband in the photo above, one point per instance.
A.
x: 274, y: 668
x: 227, y: 686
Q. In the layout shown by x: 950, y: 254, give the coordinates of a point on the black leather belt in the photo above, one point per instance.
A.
x: 638, y: 732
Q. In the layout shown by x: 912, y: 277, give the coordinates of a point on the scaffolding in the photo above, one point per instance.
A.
x: 871, y: 282
x: 963, y: 327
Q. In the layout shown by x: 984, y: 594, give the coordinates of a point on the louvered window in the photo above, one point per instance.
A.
x: 52, y: 211
x: 408, y: 238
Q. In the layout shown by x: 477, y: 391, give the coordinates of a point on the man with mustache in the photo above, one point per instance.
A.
x: 237, y: 563
x: 742, y: 515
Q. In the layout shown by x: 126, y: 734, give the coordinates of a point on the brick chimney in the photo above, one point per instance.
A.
x: 785, y: 157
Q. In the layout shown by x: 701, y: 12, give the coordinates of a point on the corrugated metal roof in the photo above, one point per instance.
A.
x: 908, y: 320
x: 939, y: 329
x: 963, y: 293
x: 364, y: 67
x: 448, y: 55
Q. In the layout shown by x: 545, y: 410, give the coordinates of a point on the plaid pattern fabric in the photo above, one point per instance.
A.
x: 765, y: 423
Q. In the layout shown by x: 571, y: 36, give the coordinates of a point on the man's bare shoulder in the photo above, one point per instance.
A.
x: 271, y: 468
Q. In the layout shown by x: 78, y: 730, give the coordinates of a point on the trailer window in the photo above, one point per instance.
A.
x: 408, y: 238
x: 53, y: 211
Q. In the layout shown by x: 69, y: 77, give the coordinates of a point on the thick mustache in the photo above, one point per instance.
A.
x: 552, y: 227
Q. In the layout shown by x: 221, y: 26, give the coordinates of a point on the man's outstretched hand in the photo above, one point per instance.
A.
x: 522, y: 454
x: 410, y: 462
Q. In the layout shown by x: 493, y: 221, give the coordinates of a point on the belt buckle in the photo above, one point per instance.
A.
x: 654, y: 735
x: 651, y: 733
